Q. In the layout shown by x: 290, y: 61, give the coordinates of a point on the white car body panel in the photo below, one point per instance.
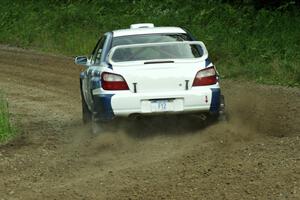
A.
x: 159, y: 77
x: 196, y: 99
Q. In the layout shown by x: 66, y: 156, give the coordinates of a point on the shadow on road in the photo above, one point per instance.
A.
x: 158, y: 125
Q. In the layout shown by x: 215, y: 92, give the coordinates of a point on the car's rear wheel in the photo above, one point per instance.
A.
x: 86, y: 113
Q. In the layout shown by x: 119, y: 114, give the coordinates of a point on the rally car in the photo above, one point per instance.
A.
x: 147, y: 70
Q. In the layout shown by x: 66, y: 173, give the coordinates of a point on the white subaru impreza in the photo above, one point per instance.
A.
x: 147, y: 70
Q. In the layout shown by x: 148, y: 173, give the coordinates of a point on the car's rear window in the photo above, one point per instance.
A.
x: 149, y: 38
x: 168, y: 50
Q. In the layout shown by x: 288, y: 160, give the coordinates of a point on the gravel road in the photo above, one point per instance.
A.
x: 254, y: 155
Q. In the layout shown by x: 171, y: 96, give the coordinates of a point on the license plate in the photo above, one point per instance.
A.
x: 159, y: 105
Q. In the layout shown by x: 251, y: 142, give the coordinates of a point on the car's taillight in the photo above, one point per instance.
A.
x: 207, y: 76
x: 110, y: 81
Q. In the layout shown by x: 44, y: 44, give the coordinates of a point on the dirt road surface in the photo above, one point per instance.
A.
x: 255, y: 155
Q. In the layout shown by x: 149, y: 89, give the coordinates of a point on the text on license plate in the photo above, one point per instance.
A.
x: 160, y: 105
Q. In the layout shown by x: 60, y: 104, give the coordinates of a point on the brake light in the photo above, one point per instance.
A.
x: 207, y: 76
x: 110, y: 81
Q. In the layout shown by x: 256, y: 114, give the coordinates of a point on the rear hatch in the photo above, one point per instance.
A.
x: 159, y: 77
x: 159, y: 67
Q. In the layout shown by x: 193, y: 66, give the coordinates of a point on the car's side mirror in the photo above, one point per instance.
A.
x: 81, y: 60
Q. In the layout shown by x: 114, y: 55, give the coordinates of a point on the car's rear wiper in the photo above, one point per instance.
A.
x: 157, y: 62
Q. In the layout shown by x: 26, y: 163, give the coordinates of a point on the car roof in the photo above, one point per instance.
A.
x: 142, y: 31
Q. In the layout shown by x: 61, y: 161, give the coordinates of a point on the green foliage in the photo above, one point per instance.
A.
x: 6, y: 130
x: 261, y: 45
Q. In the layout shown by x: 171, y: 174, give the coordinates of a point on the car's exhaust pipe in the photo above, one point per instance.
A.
x: 201, y: 116
x: 135, y: 117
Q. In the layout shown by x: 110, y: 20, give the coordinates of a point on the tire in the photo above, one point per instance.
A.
x: 212, y: 117
x: 222, y: 112
x: 222, y: 105
x: 86, y: 113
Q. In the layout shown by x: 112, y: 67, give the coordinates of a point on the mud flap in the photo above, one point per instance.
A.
x: 102, y: 108
x: 215, y: 101
x: 217, y: 109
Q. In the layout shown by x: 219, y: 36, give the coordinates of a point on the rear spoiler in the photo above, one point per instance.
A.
x: 201, y: 44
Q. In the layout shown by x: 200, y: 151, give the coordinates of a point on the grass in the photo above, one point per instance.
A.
x: 7, y: 131
x: 244, y: 43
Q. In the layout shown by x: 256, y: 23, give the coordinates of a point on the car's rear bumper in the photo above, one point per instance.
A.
x: 126, y: 103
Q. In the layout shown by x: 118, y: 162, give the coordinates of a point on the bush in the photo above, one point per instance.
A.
x: 244, y: 42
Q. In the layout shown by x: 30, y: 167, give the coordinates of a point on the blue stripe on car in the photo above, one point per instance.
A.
x: 95, y: 82
x: 207, y: 62
x: 215, y: 100
x: 81, y: 75
x: 102, y: 106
